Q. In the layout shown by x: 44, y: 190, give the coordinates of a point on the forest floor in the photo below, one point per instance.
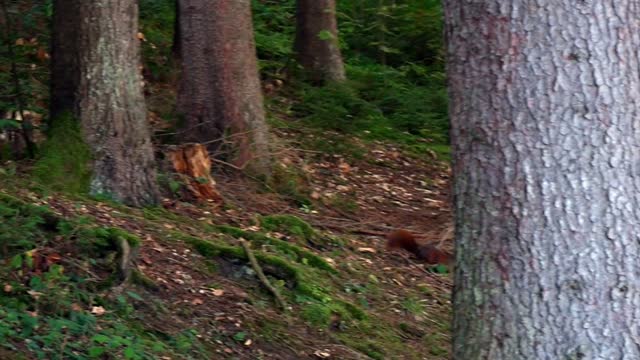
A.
x: 372, y: 304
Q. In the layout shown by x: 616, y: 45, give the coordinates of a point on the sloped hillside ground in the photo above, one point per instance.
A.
x: 192, y: 292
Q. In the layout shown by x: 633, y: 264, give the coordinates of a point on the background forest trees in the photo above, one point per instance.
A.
x: 317, y: 45
x: 379, y: 101
x: 220, y: 100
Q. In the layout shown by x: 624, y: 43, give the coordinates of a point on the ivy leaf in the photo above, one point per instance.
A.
x: 8, y: 124
x: 16, y: 262
x: 134, y: 296
x: 325, y: 35
x: 240, y: 336
x: 130, y: 353
x: 96, y: 351
x: 100, y: 339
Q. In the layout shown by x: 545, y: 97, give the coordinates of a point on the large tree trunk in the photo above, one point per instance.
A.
x: 95, y: 78
x: 220, y: 97
x: 316, y: 43
x: 546, y: 147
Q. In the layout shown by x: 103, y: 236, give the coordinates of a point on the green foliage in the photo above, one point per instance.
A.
x: 22, y: 226
x: 156, y: 23
x: 380, y: 103
x: 24, y: 32
x: 49, y: 309
x: 396, y: 32
x: 65, y: 160
x: 396, y: 89
x: 274, y: 32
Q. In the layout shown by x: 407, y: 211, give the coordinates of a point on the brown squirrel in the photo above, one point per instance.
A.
x: 402, y: 239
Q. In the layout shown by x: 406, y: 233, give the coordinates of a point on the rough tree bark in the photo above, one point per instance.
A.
x: 316, y: 43
x: 220, y: 96
x: 95, y: 77
x: 546, y: 146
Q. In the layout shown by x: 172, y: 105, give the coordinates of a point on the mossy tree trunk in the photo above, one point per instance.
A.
x: 316, y: 44
x: 96, y: 78
x: 545, y: 98
x: 220, y: 97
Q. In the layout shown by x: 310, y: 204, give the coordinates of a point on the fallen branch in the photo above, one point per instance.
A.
x: 261, y: 276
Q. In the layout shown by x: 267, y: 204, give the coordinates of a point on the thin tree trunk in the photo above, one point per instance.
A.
x: 316, y: 44
x: 220, y: 97
x: 95, y: 78
x: 175, y: 47
x: 26, y: 126
x: 546, y: 146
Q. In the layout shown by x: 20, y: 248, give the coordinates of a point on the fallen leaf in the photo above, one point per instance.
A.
x: 98, y: 310
x: 322, y: 354
x: 197, y: 301
x: 248, y: 342
x: 344, y: 167
x: 218, y: 292
x: 367, y: 250
x: 53, y: 258
x: 145, y: 259
x: 35, y: 294
x: 42, y: 54
x: 8, y: 288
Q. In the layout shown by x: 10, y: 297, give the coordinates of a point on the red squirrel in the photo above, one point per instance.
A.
x: 402, y: 239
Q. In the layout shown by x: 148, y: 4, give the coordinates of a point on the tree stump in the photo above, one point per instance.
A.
x: 192, y: 163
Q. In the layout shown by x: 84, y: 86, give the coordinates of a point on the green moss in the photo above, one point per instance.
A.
x: 65, y: 159
x: 413, y: 306
x: 354, y: 311
x: 141, y: 279
x: 133, y: 240
x: 289, y: 225
x: 306, y: 282
x: 344, y: 203
x: 292, y: 252
x: 317, y: 314
x: 321, y: 313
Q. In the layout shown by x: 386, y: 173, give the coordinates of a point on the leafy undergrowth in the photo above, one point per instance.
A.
x: 61, y: 297
x: 193, y: 294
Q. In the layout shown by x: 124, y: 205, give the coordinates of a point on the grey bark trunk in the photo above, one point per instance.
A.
x: 546, y: 143
x: 316, y: 44
x: 96, y: 77
x: 220, y: 96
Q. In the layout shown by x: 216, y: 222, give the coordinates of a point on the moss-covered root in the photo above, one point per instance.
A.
x: 291, y: 251
x: 261, y: 276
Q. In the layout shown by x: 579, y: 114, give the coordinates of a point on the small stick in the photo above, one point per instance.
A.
x: 261, y: 276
